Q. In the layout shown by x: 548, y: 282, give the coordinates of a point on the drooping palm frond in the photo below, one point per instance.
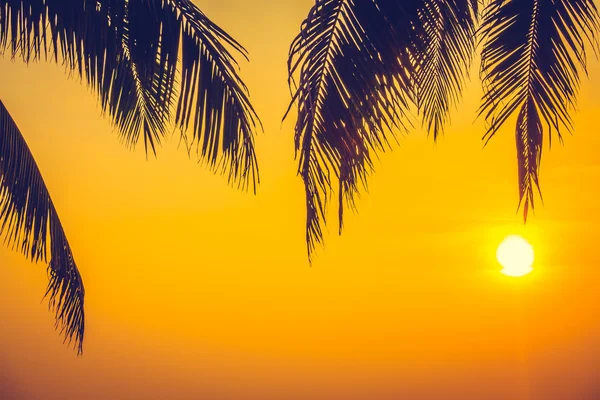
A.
x: 147, y: 60
x: 127, y: 50
x: 444, y: 58
x: 353, y: 59
x: 28, y: 220
x: 534, y: 51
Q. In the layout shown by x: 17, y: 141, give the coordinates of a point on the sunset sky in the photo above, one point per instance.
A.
x: 195, y: 290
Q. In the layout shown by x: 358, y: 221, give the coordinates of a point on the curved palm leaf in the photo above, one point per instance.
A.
x: 354, y: 63
x: 127, y: 50
x: 144, y: 59
x: 444, y: 58
x: 351, y: 91
x: 29, y: 219
x: 533, y: 53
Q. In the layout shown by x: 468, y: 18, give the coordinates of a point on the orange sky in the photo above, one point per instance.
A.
x: 196, y: 290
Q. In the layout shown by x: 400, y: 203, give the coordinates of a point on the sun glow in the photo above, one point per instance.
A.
x: 516, y: 255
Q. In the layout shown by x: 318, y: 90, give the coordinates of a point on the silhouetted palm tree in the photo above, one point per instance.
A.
x: 141, y: 57
x: 360, y: 65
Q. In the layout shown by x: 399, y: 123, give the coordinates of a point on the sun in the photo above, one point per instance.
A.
x: 516, y: 255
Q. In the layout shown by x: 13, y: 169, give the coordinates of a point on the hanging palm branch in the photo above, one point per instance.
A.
x: 533, y: 53
x: 149, y: 62
x: 359, y: 63
x: 28, y: 219
x: 444, y: 58
x: 353, y: 59
x: 127, y: 50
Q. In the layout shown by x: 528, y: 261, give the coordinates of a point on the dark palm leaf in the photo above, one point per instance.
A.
x: 533, y: 53
x: 29, y: 219
x: 444, y: 58
x: 354, y: 62
x: 128, y: 51
x: 144, y: 59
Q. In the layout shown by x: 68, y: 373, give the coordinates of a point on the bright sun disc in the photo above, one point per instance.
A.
x: 516, y: 255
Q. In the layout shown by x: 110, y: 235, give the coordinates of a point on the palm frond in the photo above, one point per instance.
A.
x: 533, y: 54
x: 353, y: 59
x: 214, y: 98
x: 444, y: 58
x: 29, y: 220
x: 128, y: 50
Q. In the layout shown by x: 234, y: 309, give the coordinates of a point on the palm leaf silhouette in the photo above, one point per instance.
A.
x: 354, y: 63
x: 29, y: 219
x: 444, y: 58
x: 531, y: 59
x: 361, y: 63
x: 149, y: 62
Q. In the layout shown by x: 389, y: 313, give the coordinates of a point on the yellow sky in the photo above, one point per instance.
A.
x: 196, y: 290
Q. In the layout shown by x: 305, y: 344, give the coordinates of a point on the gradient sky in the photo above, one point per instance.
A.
x: 196, y: 290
